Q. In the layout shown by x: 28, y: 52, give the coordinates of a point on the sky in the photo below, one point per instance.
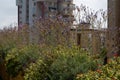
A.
x: 8, y: 9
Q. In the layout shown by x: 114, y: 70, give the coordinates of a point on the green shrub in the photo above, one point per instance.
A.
x: 19, y: 58
x: 60, y: 63
x: 40, y: 70
x: 36, y: 71
x: 111, y: 71
x: 70, y: 62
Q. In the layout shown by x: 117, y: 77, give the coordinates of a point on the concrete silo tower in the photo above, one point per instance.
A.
x: 114, y: 26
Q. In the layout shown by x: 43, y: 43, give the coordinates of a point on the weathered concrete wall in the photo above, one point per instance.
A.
x: 118, y: 23
x: 113, y: 26
x: 90, y: 39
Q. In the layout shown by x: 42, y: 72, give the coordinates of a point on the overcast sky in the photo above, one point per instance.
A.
x: 8, y: 9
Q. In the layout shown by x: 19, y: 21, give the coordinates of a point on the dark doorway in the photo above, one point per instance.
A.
x: 78, y: 39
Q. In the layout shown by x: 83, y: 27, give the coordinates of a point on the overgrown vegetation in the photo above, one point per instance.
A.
x: 111, y: 71
x: 65, y: 66
x: 46, y: 52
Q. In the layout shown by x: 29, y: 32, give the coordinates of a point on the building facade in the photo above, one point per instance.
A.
x: 28, y: 10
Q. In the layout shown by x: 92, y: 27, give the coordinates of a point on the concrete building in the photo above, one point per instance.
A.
x: 113, y: 26
x: 90, y: 39
x: 29, y: 10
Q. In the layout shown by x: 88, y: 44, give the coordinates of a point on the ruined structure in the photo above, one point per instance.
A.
x: 89, y: 39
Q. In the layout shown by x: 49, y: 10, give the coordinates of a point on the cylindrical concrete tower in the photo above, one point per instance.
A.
x: 118, y: 24
x: 113, y: 26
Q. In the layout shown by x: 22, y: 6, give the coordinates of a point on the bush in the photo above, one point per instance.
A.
x: 60, y: 63
x: 40, y: 70
x: 19, y: 58
x: 36, y: 71
x: 70, y: 62
x: 111, y: 71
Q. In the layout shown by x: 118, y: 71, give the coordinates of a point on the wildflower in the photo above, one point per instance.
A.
x: 115, y: 54
x: 99, y: 71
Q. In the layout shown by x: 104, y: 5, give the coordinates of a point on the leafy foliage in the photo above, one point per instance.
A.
x: 64, y: 66
x: 111, y: 71
x: 70, y: 62
x: 19, y: 58
x: 36, y: 71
